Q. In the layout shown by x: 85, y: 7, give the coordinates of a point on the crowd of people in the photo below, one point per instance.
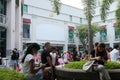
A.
x: 41, y: 66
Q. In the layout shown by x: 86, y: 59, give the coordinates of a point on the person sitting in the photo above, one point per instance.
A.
x: 100, y: 56
x: 28, y: 63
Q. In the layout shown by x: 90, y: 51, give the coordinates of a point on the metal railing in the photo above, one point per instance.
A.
x: 2, y: 19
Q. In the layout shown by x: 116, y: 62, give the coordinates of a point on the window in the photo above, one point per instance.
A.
x: 3, y: 7
x: 103, y: 35
x: 117, y: 33
x: 25, y: 8
x: 71, y: 18
x: 81, y: 20
x: 26, y: 30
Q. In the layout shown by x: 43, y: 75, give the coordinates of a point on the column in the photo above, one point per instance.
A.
x: 18, y: 27
x: 10, y: 25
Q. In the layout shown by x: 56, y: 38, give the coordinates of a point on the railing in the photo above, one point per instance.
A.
x: 2, y: 19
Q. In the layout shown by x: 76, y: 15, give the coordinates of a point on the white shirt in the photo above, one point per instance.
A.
x: 26, y: 65
x: 53, y: 55
x: 114, y: 54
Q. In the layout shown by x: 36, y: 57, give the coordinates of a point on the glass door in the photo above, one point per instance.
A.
x: 2, y: 41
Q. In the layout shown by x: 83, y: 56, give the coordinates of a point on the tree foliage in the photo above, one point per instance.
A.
x: 83, y: 33
x: 105, y: 8
x: 56, y: 6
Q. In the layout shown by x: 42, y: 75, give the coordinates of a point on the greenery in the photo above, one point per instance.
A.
x: 79, y: 65
x: 83, y: 33
x: 106, y: 6
x: 56, y: 6
x: 11, y: 75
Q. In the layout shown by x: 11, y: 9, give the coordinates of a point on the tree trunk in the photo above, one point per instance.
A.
x: 90, y: 40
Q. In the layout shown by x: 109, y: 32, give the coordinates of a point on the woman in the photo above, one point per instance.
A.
x: 14, y: 59
x: 100, y: 57
x: 29, y: 63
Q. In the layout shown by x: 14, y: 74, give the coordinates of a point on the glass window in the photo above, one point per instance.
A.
x: 117, y: 33
x: 81, y: 20
x: 25, y: 8
x: 103, y: 35
x: 71, y: 18
x: 3, y: 7
x: 71, y: 35
x: 26, y: 30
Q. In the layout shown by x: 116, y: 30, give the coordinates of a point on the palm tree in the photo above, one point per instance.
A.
x: 105, y: 7
x: 89, y: 10
x: 56, y: 6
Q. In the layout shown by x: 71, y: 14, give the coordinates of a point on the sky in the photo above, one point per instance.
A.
x: 74, y: 3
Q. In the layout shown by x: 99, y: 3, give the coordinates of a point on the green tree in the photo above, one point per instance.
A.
x: 106, y: 6
x: 89, y: 10
x: 56, y: 6
x: 83, y: 33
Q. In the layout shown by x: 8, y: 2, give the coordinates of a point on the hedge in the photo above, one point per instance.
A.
x: 79, y: 65
x: 6, y: 74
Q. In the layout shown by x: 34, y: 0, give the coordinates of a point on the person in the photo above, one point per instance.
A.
x: 14, y: 59
x: 100, y: 57
x: 75, y: 55
x: 46, y: 59
x: 85, y: 55
x: 108, y: 52
x: 114, y: 54
x: 28, y: 63
x: 53, y: 55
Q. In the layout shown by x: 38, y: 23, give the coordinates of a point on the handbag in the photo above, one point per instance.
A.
x: 88, y: 65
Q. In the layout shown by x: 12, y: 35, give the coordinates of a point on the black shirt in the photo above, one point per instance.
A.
x: 44, y: 55
x: 103, y: 55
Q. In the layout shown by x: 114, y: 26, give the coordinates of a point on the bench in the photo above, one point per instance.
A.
x: 78, y: 74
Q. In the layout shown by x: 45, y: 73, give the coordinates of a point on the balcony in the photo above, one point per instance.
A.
x: 2, y: 20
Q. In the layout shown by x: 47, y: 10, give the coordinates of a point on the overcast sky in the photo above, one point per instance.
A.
x: 74, y: 3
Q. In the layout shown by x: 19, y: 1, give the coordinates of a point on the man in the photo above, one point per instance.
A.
x: 47, y: 60
x: 114, y: 54
x: 45, y: 56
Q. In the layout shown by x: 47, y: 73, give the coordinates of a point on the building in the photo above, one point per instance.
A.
x: 10, y: 26
x: 41, y: 24
x: 110, y: 34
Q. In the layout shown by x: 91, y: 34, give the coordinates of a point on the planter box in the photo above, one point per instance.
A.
x: 77, y: 74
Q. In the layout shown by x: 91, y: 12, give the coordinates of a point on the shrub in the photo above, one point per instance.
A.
x: 79, y: 65
x: 11, y: 75
x: 112, y: 65
x: 76, y: 65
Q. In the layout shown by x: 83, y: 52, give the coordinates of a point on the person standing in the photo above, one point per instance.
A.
x: 15, y: 59
x: 114, y: 54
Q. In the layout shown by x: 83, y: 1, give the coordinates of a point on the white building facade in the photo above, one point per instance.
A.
x: 41, y: 24
x: 10, y: 26
x: 110, y: 34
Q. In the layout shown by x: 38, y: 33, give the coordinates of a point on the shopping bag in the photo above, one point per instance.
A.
x: 88, y: 65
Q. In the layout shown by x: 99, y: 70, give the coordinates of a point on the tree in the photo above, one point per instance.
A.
x: 56, y: 6
x: 89, y: 10
x: 106, y: 6
x: 83, y: 33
